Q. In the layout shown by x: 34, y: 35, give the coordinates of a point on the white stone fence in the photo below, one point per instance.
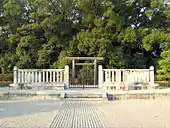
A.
x: 123, y: 78
x: 41, y: 76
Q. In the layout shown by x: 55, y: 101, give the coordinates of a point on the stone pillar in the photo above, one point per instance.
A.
x: 29, y: 74
x: 66, y: 76
x: 22, y: 76
x: 73, y: 72
x: 118, y: 79
x: 19, y: 76
x: 43, y: 76
x: 57, y: 76
x: 35, y: 76
x: 40, y: 77
x: 61, y: 76
x: 95, y: 72
x: 47, y: 76
x: 33, y: 79
x: 53, y: 76
x: 113, y: 76
x: 127, y: 79
x: 151, y: 71
x: 100, y: 79
x: 26, y: 76
x: 107, y: 80
x: 50, y: 76
x: 15, y: 75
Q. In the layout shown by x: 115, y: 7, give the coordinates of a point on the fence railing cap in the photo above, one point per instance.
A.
x: 151, y: 67
x: 15, y: 68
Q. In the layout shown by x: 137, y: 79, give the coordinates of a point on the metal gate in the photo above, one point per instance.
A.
x: 83, y: 73
x: 84, y: 77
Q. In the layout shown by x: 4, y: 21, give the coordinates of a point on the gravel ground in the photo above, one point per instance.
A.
x: 114, y: 114
x: 136, y: 113
x: 27, y: 114
x: 37, y: 120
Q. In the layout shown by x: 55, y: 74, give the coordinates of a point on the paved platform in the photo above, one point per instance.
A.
x: 87, y: 90
x: 85, y: 93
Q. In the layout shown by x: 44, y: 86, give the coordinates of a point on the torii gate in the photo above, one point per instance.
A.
x: 73, y: 59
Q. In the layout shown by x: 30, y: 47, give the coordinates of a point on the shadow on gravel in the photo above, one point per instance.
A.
x: 13, y: 108
x: 111, y: 97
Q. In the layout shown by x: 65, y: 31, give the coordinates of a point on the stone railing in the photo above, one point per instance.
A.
x: 41, y: 76
x: 123, y: 78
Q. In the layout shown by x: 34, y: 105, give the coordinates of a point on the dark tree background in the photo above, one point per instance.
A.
x: 127, y: 33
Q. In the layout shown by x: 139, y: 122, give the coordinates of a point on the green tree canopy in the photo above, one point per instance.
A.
x: 128, y: 34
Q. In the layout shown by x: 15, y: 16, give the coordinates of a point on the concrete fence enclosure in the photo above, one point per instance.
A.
x: 42, y: 76
x: 117, y: 78
x: 107, y: 78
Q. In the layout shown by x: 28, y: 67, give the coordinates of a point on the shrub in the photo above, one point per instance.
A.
x: 6, y: 77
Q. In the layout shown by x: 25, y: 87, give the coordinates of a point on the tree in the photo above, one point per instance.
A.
x: 128, y: 34
x: 164, y: 66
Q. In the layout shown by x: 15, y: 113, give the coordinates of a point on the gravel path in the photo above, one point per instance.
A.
x: 83, y: 113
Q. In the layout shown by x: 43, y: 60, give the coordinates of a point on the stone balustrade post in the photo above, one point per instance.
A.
x: 151, y: 75
x: 100, y: 79
x: 61, y: 76
x: 118, y: 79
x: 50, y: 76
x: 57, y: 76
x: 15, y: 75
x: 39, y: 77
x: 66, y: 76
x: 43, y: 76
x: 46, y: 76
x: 54, y: 76
x: 107, y: 75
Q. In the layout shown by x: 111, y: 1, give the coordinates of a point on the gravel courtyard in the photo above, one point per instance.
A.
x: 85, y: 113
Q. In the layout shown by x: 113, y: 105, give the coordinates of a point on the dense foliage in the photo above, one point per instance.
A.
x: 127, y: 33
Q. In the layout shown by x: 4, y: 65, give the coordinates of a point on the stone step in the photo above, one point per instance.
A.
x: 78, y: 95
x: 83, y: 95
x: 86, y: 99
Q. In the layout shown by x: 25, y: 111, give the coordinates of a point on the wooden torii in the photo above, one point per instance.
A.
x: 84, y: 58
